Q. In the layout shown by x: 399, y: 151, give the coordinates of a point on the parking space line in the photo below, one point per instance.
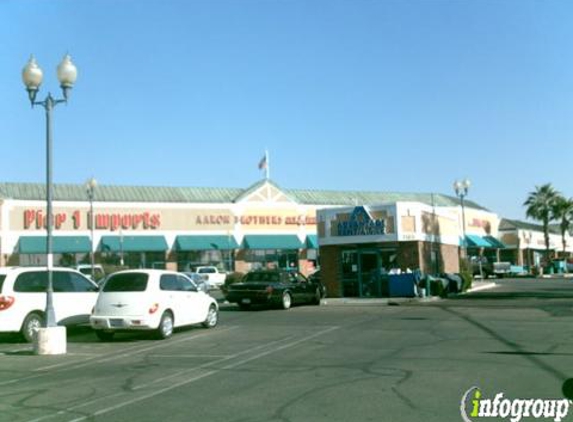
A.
x: 209, y: 364
x: 66, y: 366
x: 189, y: 356
x: 203, y: 366
x: 201, y: 376
x: 276, y: 346
x: 135, y: 350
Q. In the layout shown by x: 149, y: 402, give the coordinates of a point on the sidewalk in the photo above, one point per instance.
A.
x: 356, y: 301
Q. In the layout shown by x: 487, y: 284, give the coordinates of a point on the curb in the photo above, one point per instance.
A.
x: 485, y: 286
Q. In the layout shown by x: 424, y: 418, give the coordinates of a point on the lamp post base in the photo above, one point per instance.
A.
x: 50, y: 341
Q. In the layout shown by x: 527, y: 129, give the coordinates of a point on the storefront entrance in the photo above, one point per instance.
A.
x: 362, y: 272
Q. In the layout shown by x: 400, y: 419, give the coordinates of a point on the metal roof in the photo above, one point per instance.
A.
x: 507, y: 224
x: 114, y: 193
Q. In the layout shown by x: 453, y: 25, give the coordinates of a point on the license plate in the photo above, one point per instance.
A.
x: 116, y: 323
x: 246, y: 301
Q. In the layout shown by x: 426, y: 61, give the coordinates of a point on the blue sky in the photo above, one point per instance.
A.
x: 387, y: 95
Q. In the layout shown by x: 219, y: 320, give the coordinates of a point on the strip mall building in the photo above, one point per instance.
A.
x: 242, y: 229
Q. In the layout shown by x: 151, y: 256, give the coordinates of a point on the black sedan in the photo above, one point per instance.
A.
x: 280, y: 288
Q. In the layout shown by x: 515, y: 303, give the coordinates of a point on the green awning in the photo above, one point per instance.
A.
x: 60, y: 244
x: 495, y: 243
x: 312, y: 241
x: 272, y: 242
x: 475, y: 241
x: 203, y: 243
x: 133, y: 244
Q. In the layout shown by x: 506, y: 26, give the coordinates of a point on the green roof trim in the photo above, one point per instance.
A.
x: 272, y: 242
x: 60, y: 244
x: 203, y: 243
x: 133, y: 244
x: 109, y: 193
x: 495, y: 243
x: 475, y: 241
x: 312, y: 241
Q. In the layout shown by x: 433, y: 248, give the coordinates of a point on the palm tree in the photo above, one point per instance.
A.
x: 563, y: 212
x: 540, y: 205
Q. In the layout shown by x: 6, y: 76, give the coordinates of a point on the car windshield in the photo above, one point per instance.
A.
x: 128, y: 282
x: 262, y: 277
x: 2, y: 278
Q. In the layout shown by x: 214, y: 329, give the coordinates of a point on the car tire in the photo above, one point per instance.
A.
x: 286, y: 301
x: 165, y: 329
x: 212, y: 317
x: 104, y: 335
x: 30, y: 326
x: 317, y: 297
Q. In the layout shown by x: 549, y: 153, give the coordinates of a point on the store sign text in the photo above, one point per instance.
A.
x: 361, y: 224
x: 483, y: 224
x: 103, y: 221
x: 260, y: 220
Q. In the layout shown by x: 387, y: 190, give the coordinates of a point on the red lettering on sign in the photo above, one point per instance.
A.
x: 60, y: 219
x: 76, y: 218
x: 29, y: 216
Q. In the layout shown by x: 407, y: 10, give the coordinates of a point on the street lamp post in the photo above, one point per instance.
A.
x: 32, y: 76
x: 90, y: 190
x: 461, y: 188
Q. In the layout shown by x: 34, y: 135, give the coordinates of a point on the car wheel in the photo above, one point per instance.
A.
x: 31, y: 325
x: 286, y: 300
x: 104, y: 335
x: 165, y: 329
x: 317, y: 297
x: 212, y: 317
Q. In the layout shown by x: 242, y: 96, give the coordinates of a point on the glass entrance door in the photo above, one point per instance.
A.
x: 369, y: 274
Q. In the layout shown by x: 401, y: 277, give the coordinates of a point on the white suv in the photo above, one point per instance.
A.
x: 156, y: 300
x: 23, y: 298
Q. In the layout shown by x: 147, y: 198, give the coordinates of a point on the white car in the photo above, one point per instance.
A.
x: 157, y: 300
x: 23, y: 298
x: 86, y: 269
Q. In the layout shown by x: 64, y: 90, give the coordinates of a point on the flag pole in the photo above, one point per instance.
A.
x: 268, y: 166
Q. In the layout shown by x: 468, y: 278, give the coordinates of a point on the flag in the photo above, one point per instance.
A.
x: 263, y: 163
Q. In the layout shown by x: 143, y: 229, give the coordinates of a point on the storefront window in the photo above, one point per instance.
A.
x: 222, y: 259
x: 272, y: 258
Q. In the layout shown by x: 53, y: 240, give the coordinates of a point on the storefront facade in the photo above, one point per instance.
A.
x: 243, y: 229
x: 525, y: 243
x: 236, y: 230
x: 360, y: 244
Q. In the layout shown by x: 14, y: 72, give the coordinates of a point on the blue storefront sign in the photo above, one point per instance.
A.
x: 361, y: 223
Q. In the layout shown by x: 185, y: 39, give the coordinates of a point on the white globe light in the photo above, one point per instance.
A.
x: 91, y: 183
x: 32, y: 75
x: 67, y: 72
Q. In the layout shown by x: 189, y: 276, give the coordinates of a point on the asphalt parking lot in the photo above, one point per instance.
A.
x: 329, y: 363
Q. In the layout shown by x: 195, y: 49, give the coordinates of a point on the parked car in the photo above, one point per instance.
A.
x: 211, y: 274
x: 23, y: 298
x: 201, y: 283
x: 157, y: 300
x: 481, y: 266
x: 281, y: 288
x: 86, y: 269
x: 316, y: 277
